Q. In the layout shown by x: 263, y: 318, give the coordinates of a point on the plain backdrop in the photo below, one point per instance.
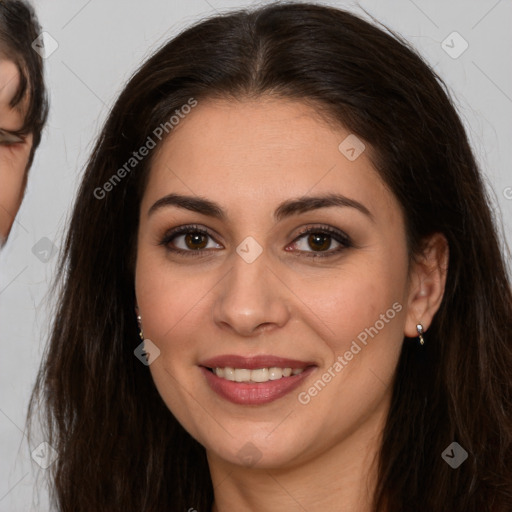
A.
x: 100, y: 44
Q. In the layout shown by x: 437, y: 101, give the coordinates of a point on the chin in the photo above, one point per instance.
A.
x: 256, y: 449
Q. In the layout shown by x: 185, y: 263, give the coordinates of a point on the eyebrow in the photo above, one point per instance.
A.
x: 285, y: 209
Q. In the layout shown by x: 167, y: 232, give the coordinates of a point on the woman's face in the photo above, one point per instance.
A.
x: 257, y: 296
x: 14, y: 151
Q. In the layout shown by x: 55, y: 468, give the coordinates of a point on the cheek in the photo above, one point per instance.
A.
x: 358, y: 297
x: 171, y: 303
x: 364, y: 311
x: 12, y: 177
x: 11, y: 194
x: 161, y: 293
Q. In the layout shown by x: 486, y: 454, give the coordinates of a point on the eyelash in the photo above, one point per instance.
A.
x: 335, y: 234
x: 10, y: 138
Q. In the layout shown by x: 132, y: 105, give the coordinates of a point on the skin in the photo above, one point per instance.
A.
x: 14, y: 156
x: 248, y: 157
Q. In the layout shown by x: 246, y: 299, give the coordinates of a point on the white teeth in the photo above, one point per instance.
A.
x: 257, y: 375
x: 242, y: 375
x: 275, y: 373
x: 229, y: 373
x: 260, y: 375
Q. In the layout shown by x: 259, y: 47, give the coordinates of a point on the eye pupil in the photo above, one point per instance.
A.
x: 321, y: 241
x: 192, y: 239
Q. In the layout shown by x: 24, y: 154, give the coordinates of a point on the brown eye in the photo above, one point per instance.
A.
x: 196, y: 241
x: 318, y: 242
x: 189, y: 240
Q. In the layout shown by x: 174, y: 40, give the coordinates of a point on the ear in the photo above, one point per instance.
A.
x: 427, y: 280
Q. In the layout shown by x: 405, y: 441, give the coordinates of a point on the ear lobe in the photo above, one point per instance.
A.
x: 427, y: 283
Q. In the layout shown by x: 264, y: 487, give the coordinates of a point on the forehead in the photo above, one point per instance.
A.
x: 256, y: 151
x: 9, y: 80
x: 11, y: 118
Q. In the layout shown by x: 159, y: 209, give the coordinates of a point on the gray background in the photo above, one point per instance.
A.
x: 100, y: 43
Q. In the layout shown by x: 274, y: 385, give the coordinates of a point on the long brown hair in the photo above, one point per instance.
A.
x: 119, y: 446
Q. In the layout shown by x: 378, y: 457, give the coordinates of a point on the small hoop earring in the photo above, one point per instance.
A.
x: 419, y: 328
x: 141, y: 333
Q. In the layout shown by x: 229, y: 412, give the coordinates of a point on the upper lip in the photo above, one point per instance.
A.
x: 252, y: 363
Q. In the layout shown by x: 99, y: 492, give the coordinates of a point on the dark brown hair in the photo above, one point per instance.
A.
x: 19, y: 28
x: 119, y: 446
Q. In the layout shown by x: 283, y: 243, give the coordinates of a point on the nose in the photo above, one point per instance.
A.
x: 251, y: 299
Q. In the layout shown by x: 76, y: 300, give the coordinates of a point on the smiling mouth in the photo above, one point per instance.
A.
x: 255, y: 386
x: 254, y: 380
x: 257, y: 375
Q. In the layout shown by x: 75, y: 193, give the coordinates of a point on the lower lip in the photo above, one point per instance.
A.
x: 254, y: 393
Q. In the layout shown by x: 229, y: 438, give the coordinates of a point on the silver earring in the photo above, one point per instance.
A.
x: 419, y: 328
x: 141, y: 333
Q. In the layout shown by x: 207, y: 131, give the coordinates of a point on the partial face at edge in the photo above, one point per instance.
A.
x: 213, y: 300
x: 14, y: 151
